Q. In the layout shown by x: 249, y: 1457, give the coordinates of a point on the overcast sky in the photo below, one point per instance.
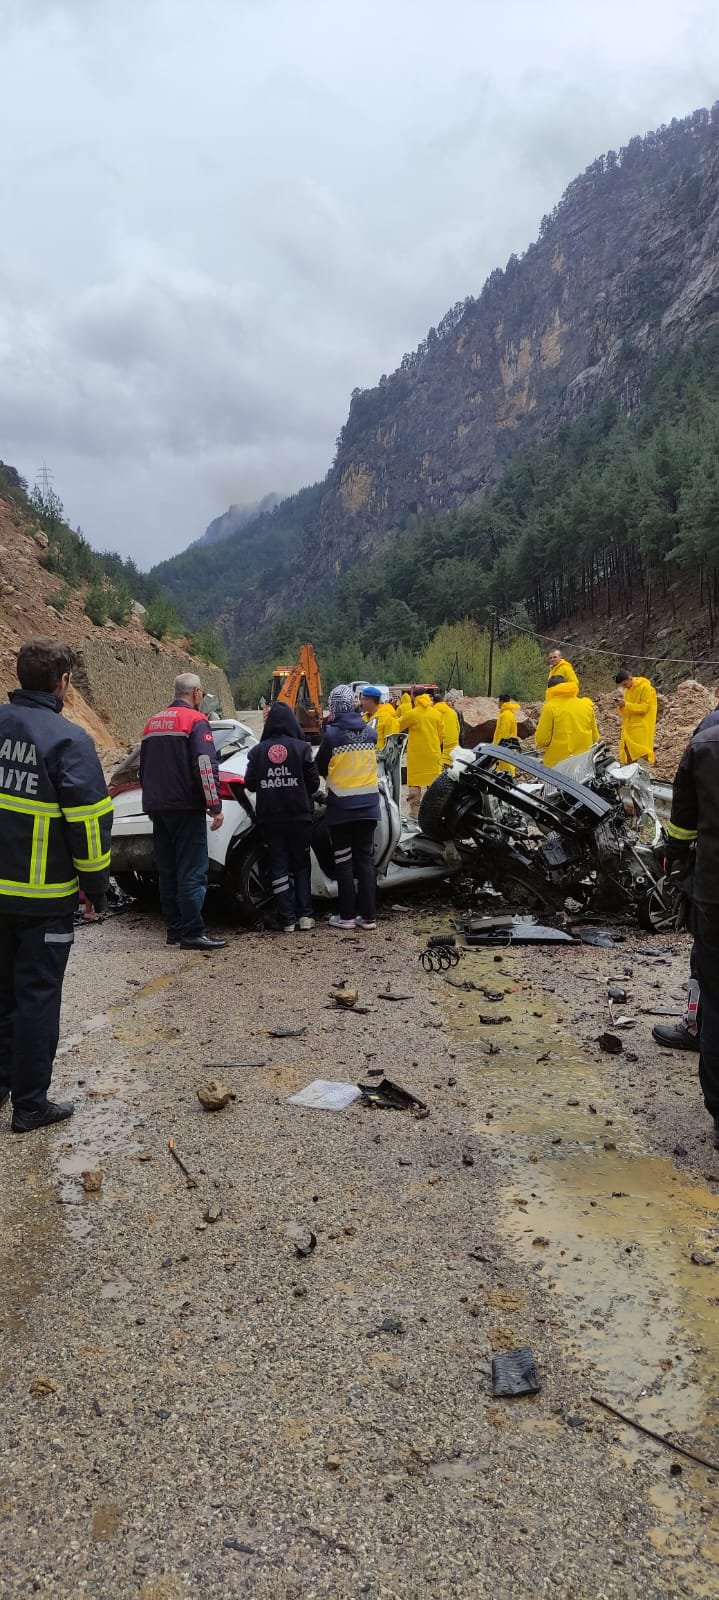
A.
x: 219, y: 217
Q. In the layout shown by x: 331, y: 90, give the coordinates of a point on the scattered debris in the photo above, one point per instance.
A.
x: 619, y: 996
x: 91, y: 1181
x: 384, y: 994
x: 610, y: 1044
x: 486, y: 1021
x: 286, y: 1033
x: 41, y: 1386
x: 388, y: 1325
x: 212, y: 1214
x: 701, y: 1258
x: 346, y: 998
x: 214, y: 1095
x: 239, y: 1545
x: 325, y: 1095
x: 390, y: 1096
x: 515, y: 1372
x: 233, y: 1066
x: 191, y: 1182
x: 659, y: 1438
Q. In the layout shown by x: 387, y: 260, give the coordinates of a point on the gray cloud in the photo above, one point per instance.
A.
x: 217, y: 220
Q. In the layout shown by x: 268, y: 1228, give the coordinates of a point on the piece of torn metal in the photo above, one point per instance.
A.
x: 515, y: 1372
x: 390, y: 1096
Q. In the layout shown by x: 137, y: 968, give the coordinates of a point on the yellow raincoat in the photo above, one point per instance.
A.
x: 567, y: 726
x: 506, y: 728
x: 565, y: 670
x: 424, y: 754
x: 405, y: 704
x: 449, y: 730
x: 385, y: 720
x: 639, y: 720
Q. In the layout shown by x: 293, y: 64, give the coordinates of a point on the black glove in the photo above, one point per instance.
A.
x: 676, y: 854
x: 98, y: 902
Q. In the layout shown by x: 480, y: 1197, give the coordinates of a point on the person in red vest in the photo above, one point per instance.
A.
x: 180, y: 780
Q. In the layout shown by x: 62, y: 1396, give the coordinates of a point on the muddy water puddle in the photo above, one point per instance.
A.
x: 611, y: 1232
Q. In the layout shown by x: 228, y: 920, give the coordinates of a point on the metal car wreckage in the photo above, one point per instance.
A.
x: 588, y: 830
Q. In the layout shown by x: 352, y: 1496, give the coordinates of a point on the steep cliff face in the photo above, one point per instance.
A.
x: 625, y: 271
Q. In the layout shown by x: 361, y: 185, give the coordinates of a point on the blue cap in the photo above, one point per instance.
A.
x: 372, y: 690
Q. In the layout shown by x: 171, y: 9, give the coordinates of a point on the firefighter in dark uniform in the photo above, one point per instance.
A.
x: 55, y: 822
x: 694, y: 825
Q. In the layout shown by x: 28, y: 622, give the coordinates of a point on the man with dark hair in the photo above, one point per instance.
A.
x: 639, y: 718
x: 180, y: 781
x: 55, y: 821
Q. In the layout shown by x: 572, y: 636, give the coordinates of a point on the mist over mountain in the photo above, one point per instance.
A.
x: 623, y: 274
x: 235, y: 518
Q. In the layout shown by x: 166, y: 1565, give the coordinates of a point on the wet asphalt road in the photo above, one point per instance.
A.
x: 192, y: 1409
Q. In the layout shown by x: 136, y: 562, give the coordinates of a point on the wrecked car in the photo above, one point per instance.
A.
x: 586, y: 830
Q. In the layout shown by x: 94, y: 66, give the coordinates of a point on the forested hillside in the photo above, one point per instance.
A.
x: 529, y: 417
x: 618, y: 516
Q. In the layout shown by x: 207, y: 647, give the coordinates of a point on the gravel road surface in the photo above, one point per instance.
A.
x: 193, y: 1409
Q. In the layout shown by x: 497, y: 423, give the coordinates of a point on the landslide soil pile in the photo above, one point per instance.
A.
x: 677, y: 717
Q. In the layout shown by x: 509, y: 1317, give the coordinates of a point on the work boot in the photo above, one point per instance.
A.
x: 203, y: 942
x: 54, y: 1111
x: 676, y: 1038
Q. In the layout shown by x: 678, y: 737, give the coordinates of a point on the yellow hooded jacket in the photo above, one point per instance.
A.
x: 506, y: 728
x: 449, y: 730
x: 565, y: 670
x: 639, y: 720
x: 567, y: 726
x: 424, y: 754
x: 385, y: 721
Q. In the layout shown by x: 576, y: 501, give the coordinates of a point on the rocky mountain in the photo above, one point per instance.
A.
x: 235, y: 518
x: 624, y: 272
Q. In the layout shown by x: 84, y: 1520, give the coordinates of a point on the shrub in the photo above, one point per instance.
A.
x: 97, y: 604
x: 162, y: 619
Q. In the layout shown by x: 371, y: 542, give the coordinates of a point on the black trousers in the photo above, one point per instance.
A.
x: 33, y: 958
x: 288, y: 847
x: 353, y: 845
x: 705, y: 924
x: 179, y: 840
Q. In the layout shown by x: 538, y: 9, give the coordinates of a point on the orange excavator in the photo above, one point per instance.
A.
x: 300, y: 688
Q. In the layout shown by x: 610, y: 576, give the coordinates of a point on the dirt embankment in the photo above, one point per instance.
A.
x: 122, y: 674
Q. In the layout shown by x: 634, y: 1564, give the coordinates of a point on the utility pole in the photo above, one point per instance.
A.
x: 492, y: 617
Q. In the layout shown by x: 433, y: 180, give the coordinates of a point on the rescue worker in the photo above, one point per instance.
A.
x: 424, y: 753
x: 449, y: 728
x: 54, y: 838
x: 405, y: 703
x: 347, y: 758
x: 379, y: 712
x: 684, y: 1035
x: 568, y: 723
x: 281, y: 770
x: 180, y: 788
x: 639, y: 718
x: 695, y: 818
x: 559, y: 667
x: 505, y: 731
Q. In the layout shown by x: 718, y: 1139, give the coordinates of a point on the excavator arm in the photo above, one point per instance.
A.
x: 302, y: 691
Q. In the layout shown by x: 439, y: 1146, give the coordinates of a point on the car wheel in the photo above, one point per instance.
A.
x: 656, y: 913
x: 246, y: 881
x: 435, y: 805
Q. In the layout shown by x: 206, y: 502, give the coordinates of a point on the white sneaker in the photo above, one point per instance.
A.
x: 369, y: 927
x: 288, y: 927
x: 306, y: 924
x: 342, y: 922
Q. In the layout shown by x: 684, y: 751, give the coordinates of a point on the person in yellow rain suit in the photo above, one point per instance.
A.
x: 506, y: 728
x: 405, y: 704
x: 379, y: 712
x: 559, y: 667
x: 568, y: 724
x: 449, y: 728
x: 424, y: 751
x: 639, y: 718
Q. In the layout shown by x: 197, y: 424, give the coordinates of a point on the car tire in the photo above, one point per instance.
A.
x: 655, y: 914
x: 246, y: 882
x: 435, y: 806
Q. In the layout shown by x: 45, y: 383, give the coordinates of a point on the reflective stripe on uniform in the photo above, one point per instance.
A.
x: 99, y: 808
x: 38, y: 851
x: 29, y: 808
x: 685, y: 834
x: 94, y: 864
x: 40, y: 891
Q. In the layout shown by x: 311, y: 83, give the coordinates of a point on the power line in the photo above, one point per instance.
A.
x: 617, y: 655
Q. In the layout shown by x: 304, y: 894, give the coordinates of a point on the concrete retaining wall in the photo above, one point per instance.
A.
x: 126, y: 683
